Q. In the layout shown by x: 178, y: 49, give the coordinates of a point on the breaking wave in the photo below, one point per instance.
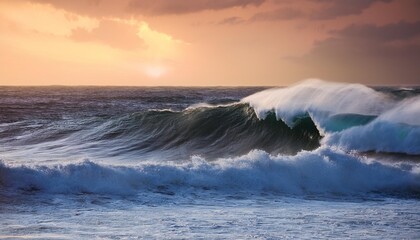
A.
x: 350, y: 116
x: 323, y: 171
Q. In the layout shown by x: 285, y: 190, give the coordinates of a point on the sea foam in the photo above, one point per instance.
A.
x: 395, y: 130
x: 323, y: 171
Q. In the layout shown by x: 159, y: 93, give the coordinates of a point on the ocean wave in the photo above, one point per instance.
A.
x: 324, y: 171
x: 216, y: 131
x: 395, y: 130
x: 351, y: 116
x: 280, y: 120
x: 320, y: 100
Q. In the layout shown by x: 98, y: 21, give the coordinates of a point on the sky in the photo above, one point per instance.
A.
x: 209, y: 42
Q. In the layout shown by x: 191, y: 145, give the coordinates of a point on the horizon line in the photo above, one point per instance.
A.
x: 203, y: 86
x: 180, y: 86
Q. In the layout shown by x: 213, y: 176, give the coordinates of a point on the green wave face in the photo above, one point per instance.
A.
x: 340, y: 122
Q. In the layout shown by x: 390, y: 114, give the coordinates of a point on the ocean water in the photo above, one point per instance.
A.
x: 314, y: 160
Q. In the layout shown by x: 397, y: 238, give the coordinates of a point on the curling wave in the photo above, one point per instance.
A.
x: 350, y: 116
x: 216, y: 131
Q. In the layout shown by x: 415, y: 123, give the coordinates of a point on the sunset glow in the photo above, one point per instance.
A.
x: 209, y: 119
x: 155, y: 71
x: 254, y: 42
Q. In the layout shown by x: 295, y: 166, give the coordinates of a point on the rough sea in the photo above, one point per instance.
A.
x: 313, y: 160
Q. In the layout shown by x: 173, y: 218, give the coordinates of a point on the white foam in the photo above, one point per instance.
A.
x: 407, y: 112
x: 208, y: 105
x: 319, y: 99
x: 324, y: 171
x: 395, y: 130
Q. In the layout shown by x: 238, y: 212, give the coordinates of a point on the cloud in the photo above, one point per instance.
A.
x: 164, y: 7
x: 390, y: 32
x: 232, y: 20
x: 95, y: 8
x: 326, y: 10
x: 279, y: 14
x: 367, y: 53
x: 334, y: 9
x: 123, y: 8
x: 112, y: 33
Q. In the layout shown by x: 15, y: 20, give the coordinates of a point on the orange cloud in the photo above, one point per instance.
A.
x: 162, y: 7
x: 363, y: 51
x: 112, y: 33
x: 124, y: 8
x: 321, y: 10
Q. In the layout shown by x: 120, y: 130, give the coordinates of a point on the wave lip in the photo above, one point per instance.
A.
x: 324, y: 172
x: 319, y: 99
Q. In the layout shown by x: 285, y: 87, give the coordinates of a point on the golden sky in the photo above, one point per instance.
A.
x: 208, y: 42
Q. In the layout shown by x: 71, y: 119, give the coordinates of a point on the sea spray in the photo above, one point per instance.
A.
x: 323, y: 171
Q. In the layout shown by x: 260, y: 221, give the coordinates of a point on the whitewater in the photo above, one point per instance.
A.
x: 314, y: 160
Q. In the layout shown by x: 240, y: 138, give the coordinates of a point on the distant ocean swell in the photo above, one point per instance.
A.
x: 305, y: 139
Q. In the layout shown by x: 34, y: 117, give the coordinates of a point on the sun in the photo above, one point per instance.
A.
x: 155, y: 71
